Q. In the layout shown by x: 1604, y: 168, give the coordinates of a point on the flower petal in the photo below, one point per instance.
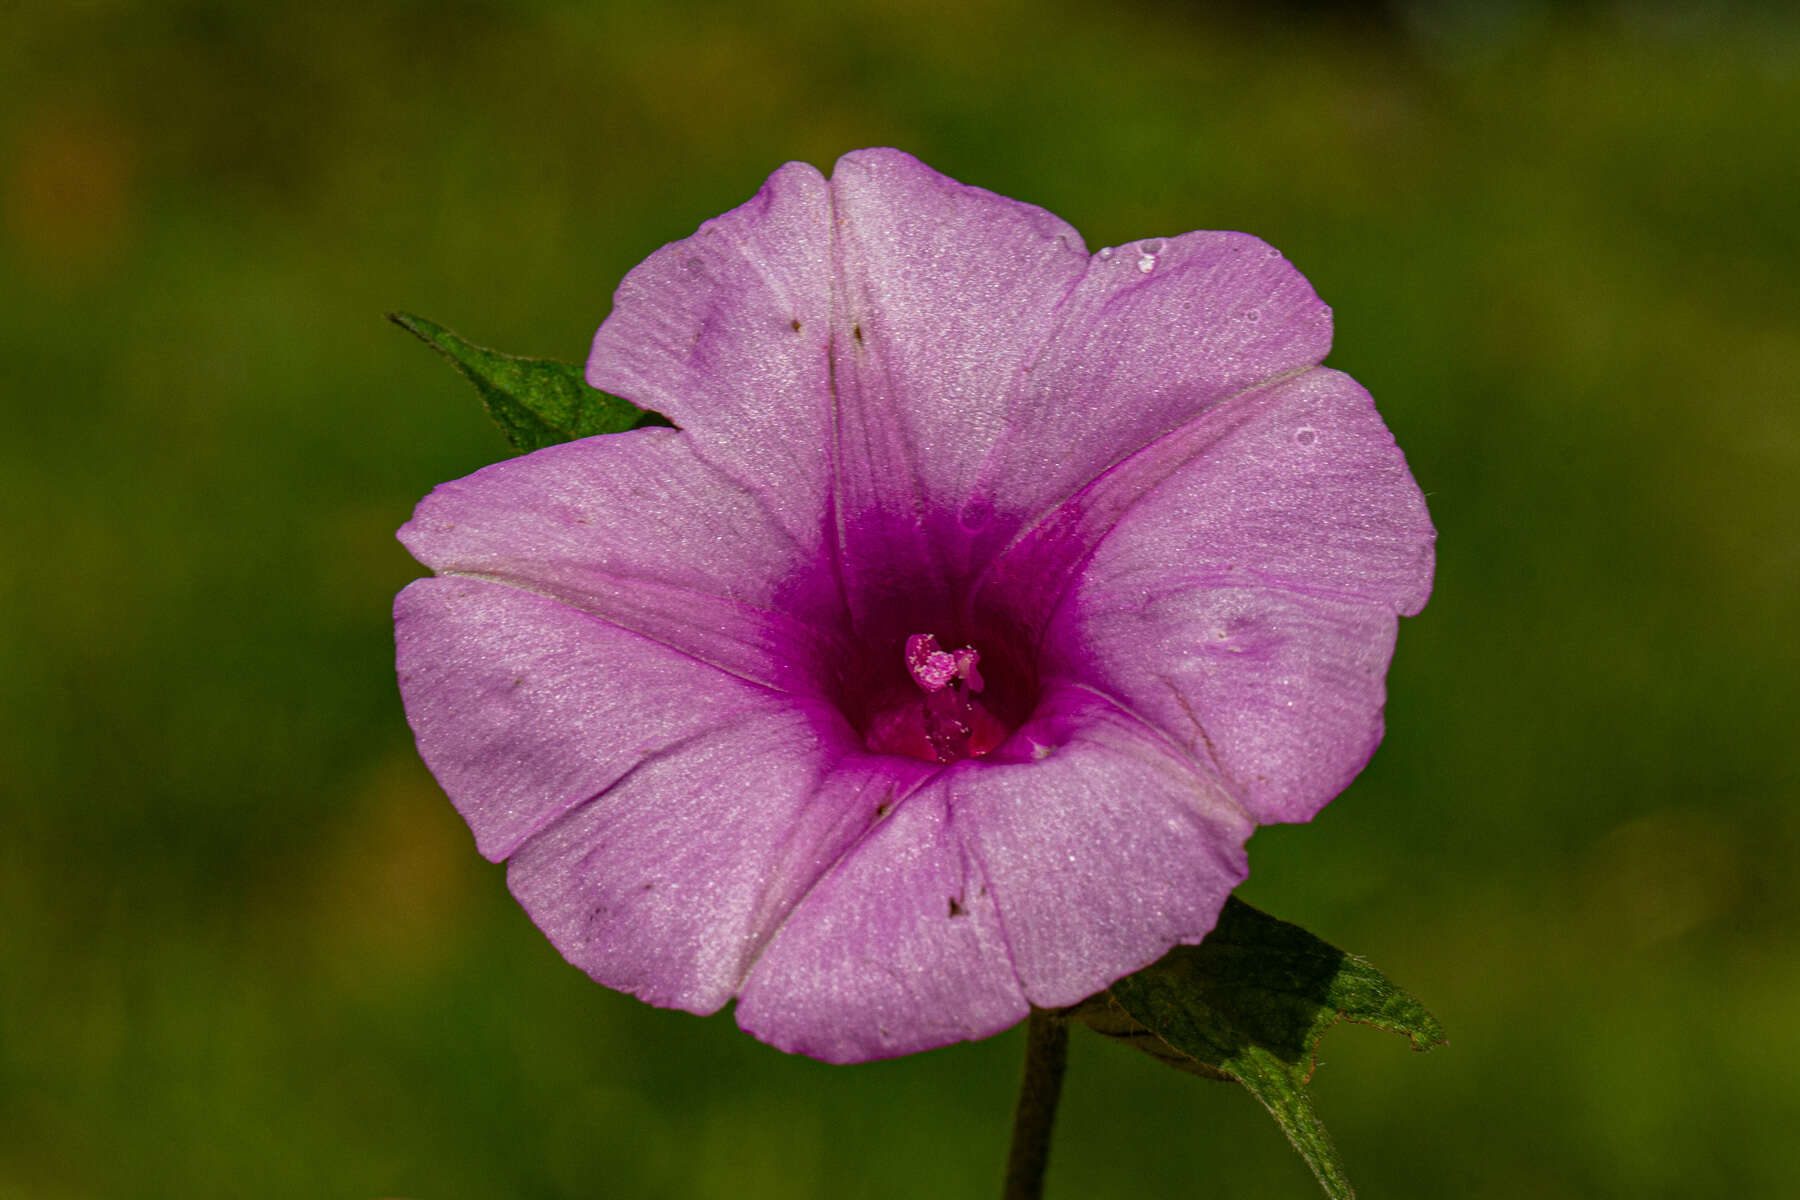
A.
x: 898, y: 949
x: 945, y: 292
x: 1155, y: 333
x: 726, y: 334
x: 524, y: 707
x: 1246, y: 601
x: 635, y: 529
x: 1282, y: 693
x: 1103, y: 844
x: 668, y: 884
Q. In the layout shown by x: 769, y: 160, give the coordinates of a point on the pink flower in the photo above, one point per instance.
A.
x: 989, y: 594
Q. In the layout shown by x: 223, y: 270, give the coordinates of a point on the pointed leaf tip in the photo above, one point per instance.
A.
x: 1250, y: 1003
x: 536, y: 402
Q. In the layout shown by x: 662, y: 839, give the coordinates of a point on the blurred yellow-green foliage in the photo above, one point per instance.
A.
x: 249, y: 949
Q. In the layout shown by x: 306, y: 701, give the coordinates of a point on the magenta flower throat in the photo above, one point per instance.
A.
x: 987, y: 597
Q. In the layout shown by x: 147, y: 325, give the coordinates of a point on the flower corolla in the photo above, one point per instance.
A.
x: 987, y: 595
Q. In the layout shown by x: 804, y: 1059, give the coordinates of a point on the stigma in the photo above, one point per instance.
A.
x: 934, y: 669
x: 940, y: 716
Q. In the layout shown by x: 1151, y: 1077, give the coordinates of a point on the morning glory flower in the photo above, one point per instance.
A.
x: 987, y: 596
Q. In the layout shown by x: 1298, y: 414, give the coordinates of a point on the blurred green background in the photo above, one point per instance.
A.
x: 249, y: 949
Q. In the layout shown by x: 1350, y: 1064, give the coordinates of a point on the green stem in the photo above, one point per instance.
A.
x: 1046, y: 1054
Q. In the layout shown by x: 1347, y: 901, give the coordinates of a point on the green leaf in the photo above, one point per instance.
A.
x: 536, y: 402
x: 1250, y: 1004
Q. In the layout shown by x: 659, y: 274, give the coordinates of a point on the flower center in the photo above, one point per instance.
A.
x: 941, y: 715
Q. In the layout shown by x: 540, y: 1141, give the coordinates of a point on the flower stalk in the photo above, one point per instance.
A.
x: 1046, y: 1056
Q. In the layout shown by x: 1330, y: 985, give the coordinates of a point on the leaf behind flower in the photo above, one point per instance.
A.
x: 536, y: 402
x: 1250, y: 1004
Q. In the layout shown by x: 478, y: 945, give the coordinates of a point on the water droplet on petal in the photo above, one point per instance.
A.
x: 1147, y: 263
x: 1253, y: 314
x: 1306, y: 435
x: 1106, y: 252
